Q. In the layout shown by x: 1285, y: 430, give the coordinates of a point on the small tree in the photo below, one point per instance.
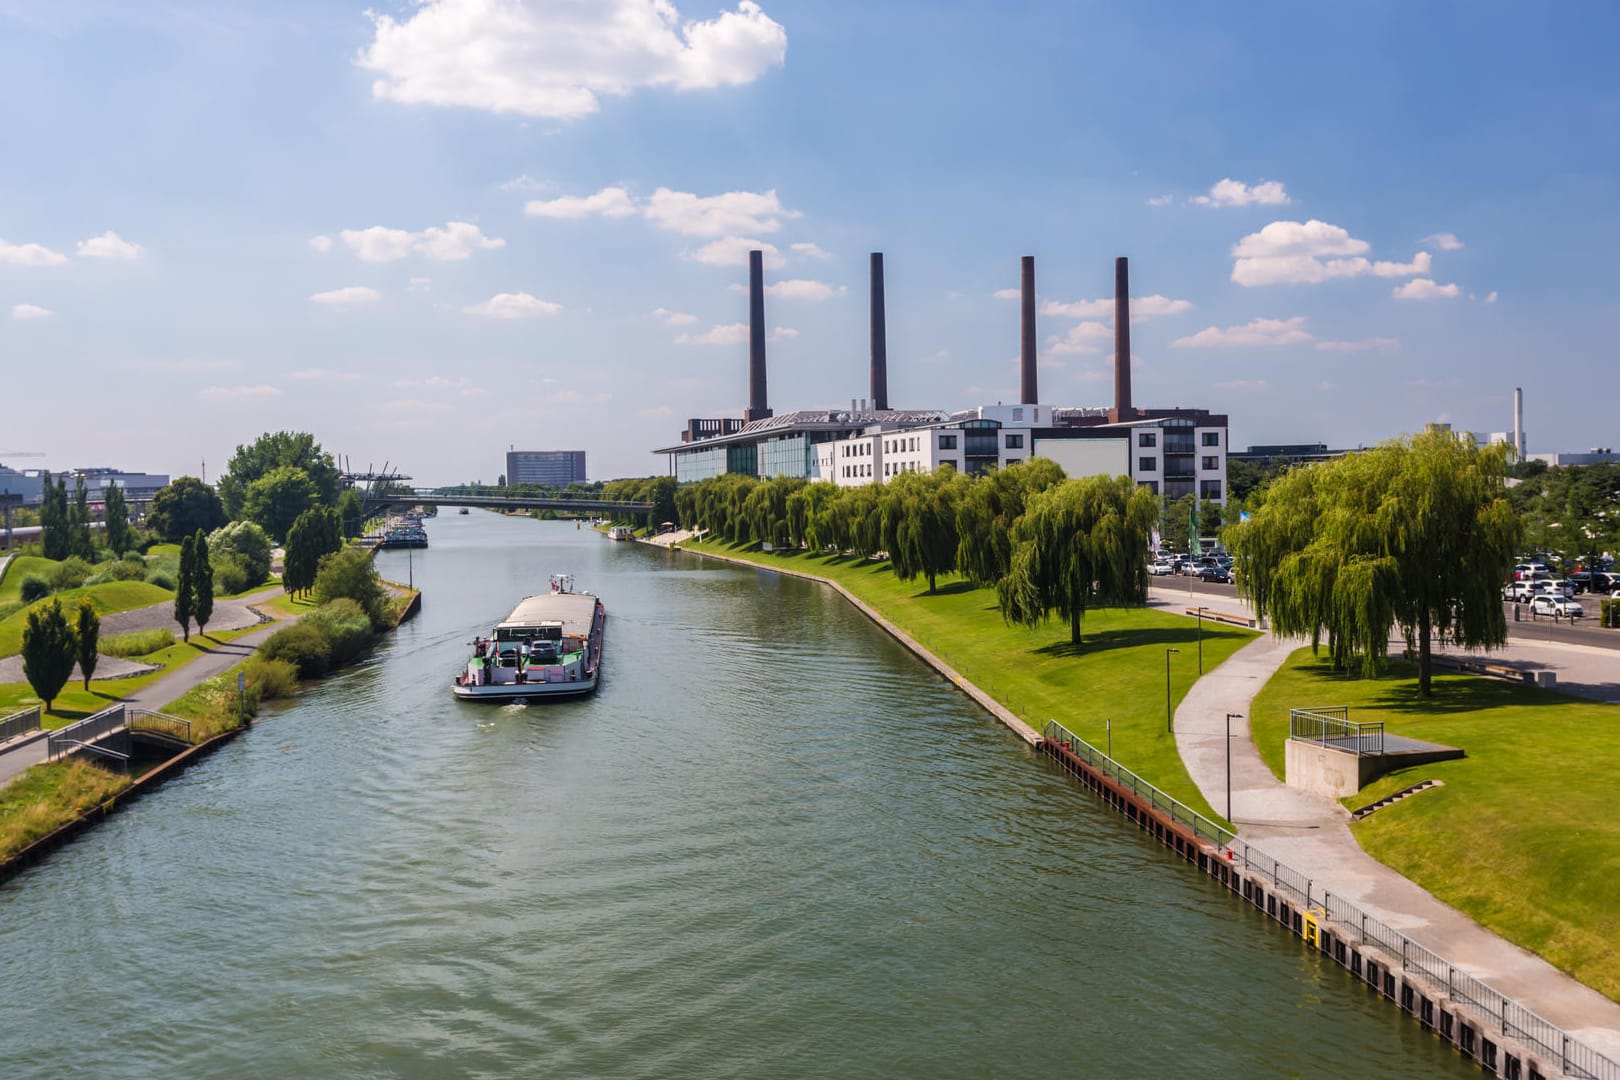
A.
x: 49, y: 650
x: 245, y: 541
x: 183, y: 603
x: 88, y: 636
x: 351, y: 573
x: 79, y: 541
x: 55, y: 539
x: 120, y: 538
x: 202, y: 581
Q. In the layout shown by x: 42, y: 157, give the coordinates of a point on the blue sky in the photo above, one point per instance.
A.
x: 437, y: 229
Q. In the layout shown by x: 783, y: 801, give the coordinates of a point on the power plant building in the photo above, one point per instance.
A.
x: 1173, y: 452
x: 545, y: 468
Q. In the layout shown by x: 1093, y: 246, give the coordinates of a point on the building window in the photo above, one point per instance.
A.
x: 1211, y: 463
x: 1151, y: 485
x: 1015, y: 442
x: 1147, y: 439
x: 1212, y: 438
x: 947, y: 442
x: 1018, y: 414
x: 1209, y: 489
x: 1147, y: 464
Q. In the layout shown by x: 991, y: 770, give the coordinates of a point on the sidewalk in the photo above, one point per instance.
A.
x: 1313, y: 836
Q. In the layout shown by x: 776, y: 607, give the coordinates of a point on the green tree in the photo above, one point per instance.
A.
x: 184, y: 603
x: 87, y: 638
x: 120, y: 537
x: 351, y: 512
x: 271, y: 451
x: 351, y: 573
x: 244, y: 541
x: 316, y: 534
x: 275, y: 499
x: 919, y: 524
x: 182, y: 507
x: 986, y: 511
x: 79, y: 540
x: 202, y: 581
x: 1416, y: 533
x: 1079, y: 542
x: 49, y: 651
x: 56, y: 540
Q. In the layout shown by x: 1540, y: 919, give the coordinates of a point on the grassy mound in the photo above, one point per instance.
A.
x: 109, y: 597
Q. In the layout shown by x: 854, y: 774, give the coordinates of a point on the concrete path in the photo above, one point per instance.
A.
x: 1312, y: 835
x: 1582, y: 670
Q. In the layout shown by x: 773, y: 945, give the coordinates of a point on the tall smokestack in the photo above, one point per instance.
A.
x: 1027, y: 391
x: 1122, y: 340
x: 880, y: 342
x: 757, y: 409
x: 1518, y: 422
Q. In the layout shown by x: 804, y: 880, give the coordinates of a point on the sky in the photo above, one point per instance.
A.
x: 429, y: 231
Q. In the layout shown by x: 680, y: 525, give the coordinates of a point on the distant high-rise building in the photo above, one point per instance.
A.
x: 548, y: 468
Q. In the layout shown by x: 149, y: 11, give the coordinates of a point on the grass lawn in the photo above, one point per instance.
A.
x: 286, y: 604
x: 1523, y: 837
x: 1117, y: 673
x: 109, y: 597
x: 46, y: 797
x: 17, y: 569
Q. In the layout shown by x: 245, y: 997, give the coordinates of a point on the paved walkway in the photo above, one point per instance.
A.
x: 1583, y: 670
x: 1312, y: 835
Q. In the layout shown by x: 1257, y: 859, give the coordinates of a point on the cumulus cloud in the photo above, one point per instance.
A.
x: 733, y: 251
x: 1294, y: 252
x: 798, y: 289
x: 1382, y: 344
x: 781, y: 333
x: 1231, y: 192
x: 1260, y: 332
x: 719, y: 334
x: 729, y: 214
x: 1142, y: 308
x: 352, y: 294
x: 30, y: 311
x: 1444, y: 241
x: 29, y: 254
x: 674, y: 318
x: 556, y: 58
x: 456, y: 241
x: 322, y: 243
x: 1008, y: 294
x: 513, y: 306
x: 223, y: 393
x: 807, y: 250
x: 610, y: 202
x: 109, y: 245
x: 1425, y: 289
x: 1079, y: 339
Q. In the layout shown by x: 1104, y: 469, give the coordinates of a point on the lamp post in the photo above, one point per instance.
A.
x: 1200, y: 640
x: 1109, y: 724
x: 1229, y: 718
x: 1169, y: 724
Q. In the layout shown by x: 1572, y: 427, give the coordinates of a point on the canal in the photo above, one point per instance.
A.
x: 773, y: 845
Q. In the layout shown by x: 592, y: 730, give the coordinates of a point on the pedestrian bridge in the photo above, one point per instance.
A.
x: 546, y: 501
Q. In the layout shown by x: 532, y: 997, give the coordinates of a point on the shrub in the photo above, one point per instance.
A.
x: 70, y: 573
x: 243, y: 541
x: 137, y: 642
x: 350, y: 574
x: 135, y: 558
x: 34, y: 588
x: 119, y: 571
x: 347, y: 629
x: 303, y: 645
x: 161, y: 578
x: 231, y: 575
x: 270, y: 679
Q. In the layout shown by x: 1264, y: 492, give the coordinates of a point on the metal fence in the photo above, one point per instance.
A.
x: 1333, y: 727
x: 64, y: 741
x: 1513, y: 1019
x: 160, y: 723
x: 19, y: 723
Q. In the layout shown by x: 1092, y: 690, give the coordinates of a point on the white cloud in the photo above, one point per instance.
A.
x: 798, y: 289
x: 30, y: 311
x: 1008, y: 294
x: 555, y: 59
x: 1231, y: 192
x: 527, y: 183
x: 456, y: 241
x: 1444, y: 241
x: 353, y: 294
x: 611, y: 202
x: 1161, y: 200
x: 325, y: 375
x: 29, y: 255
x: 1142, y: 308
x: 1425, y: 289
x: 719, y: 334
x: 781, y: 333
x: 674, y: 318
x: 1260, y: 332
x: 1381, y: 344
x: 1490, y: 297
x: 1243, y: 384
x: 733, y: 251
x: 1293, y: 252
x: 221, y: 393
x: 109, y: 245
x: 728, y: 214
x: 321, y: 243
x: 513, y: 306
x: 810, y: 251
x: 1078, y: 340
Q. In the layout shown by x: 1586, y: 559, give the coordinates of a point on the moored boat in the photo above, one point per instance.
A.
x: 550, y: 646
x: 620, y: 532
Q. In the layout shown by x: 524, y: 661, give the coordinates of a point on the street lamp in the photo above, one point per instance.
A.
x: 1168, y: 723
x: 1229, y: 718
x: 1109, y: 724
x: 1200, y: 641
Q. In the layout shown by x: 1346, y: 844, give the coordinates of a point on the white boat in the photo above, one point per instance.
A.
x: 549, y: 647
x: 620, y: 532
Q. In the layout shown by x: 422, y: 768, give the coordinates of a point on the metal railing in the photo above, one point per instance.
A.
x: 64, y: 741
x: 161, y: 723
x: 20, y: 723
x: 118, y: 757
x: 1332, y: 727
x: 1513, y: 1019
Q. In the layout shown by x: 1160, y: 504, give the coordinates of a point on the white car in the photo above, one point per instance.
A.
x: 1557, y: 606
x: 1161, y: 567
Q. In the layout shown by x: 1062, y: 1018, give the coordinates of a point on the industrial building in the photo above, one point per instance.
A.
x: 1173, y: 452
x: 29, y: 484
x: 547, y: 468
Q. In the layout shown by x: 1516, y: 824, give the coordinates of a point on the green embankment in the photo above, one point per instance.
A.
x: 46, y: 797
x: 109, y: 598
x: 1523, y: 836
x: 1117, y: 673
x: 18, y: 568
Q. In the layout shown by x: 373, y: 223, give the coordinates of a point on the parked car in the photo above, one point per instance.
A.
x: 1217, y: 574
x: 1161, y: 567
x: 1557, y: 606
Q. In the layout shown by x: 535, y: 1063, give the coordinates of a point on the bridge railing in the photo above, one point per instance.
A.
x: 160, y: 723
x: 1333, y: 727
x: 75, y: 736
x: 19, y: 723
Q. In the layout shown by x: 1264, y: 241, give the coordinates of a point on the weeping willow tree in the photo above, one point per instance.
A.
x: 1416, y: 533
x: 1078, y: 543
x: 986, y: 511
x: 919, y: 524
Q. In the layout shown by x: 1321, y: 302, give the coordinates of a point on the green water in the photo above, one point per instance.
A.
x: 773, y: 845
